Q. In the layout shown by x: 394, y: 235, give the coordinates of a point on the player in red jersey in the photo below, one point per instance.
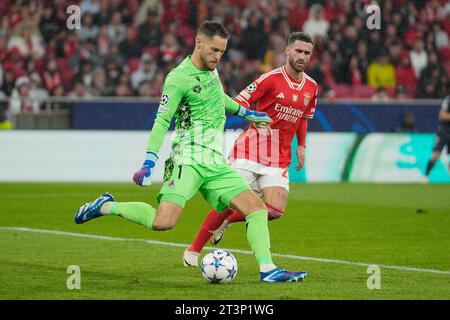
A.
x: 289, y: 97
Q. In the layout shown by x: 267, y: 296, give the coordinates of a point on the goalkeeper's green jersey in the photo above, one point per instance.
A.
x: 197, y: 101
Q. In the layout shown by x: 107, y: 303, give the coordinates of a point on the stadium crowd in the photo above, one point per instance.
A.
x: 126, y: 47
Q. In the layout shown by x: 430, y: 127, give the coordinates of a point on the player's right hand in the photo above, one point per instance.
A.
x: 143, y: 177
x: 259, y: 119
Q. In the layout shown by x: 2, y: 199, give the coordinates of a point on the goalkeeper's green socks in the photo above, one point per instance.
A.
x: 137, y: 212
x: 259, y: 239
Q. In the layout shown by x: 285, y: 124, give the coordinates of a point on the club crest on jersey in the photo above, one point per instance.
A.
x: 306, y: 98
x: 197, y: 89
x: 251, y: 87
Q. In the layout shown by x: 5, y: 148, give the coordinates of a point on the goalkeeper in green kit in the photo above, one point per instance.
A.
x: 193, y: 94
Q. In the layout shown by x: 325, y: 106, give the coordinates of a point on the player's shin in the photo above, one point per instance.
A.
x: 137, y: 212
x: 259, y: 239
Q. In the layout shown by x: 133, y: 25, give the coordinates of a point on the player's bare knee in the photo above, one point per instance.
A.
x: 274, y: 212
x: 255, y: 204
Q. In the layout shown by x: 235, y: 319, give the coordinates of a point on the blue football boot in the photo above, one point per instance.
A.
x: 91, y: 210
x: 281, y: 275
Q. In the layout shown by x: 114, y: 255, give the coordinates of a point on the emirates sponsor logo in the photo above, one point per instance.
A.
x: 289, y: 114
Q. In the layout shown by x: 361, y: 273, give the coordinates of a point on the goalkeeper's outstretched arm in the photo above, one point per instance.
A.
x: 252, y: 116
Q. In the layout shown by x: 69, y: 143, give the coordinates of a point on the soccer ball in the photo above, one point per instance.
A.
x: 219, y: 266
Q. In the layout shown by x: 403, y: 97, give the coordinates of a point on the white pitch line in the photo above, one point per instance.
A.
x: 174, y: 244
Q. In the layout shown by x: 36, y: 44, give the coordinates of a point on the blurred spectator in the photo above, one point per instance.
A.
x: 254, y: 39
x: 145, y: 73
x: 298, y: 14
x: 405, y: 74
x: 380, y: 95
x: 418, y: 57
x: 98, y: 86
x: 105, y: 13
x: 149, y: 31
x: 230, y: 78
x: 27, y: 41
x: 427, y: 90
x: 348, y: 43
x: 131, y: 47
x: 363, y: 59
x: 429, y: 42
x: 355, y: 73
x: 49, y: 23
x: 391, y: 36
x: 169, y: 49
x: 434, y: 74
x: 8, y: 83
x: 153, y: 8
x: 381, y: 73
x: 114, y: 55
x: 375, y: 45
x: 84, y: 74
x: 37, y: 93
x: 328, y: 69
x: 157, y: 84
x: 316, y: 25
x: 274, y: 56
x: 145, y: 89
x: 123, y: 90
x: 89, y: 29
x: 89, y: 7
x: 20, y: 99
x: 103, y: 41
x: 3, y: 48
x: 124, y: 81
x: 116, y: 28
x: 113, y: 73
x: 79, y: 91
x: 15, y: 63
x: 52, y: 77
x: 401, y: 93
x: 58, y: 104
x: 175, y: 10
x: 441, y: 37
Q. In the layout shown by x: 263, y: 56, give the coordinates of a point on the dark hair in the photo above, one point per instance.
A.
x: 213, y: 28
x: 300, y: 36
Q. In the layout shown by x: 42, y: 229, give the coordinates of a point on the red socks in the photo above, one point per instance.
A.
x: 215, y: 219
x: 212, y: 221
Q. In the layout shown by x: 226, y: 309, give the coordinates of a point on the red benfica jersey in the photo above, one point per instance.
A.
x: 288, y: 102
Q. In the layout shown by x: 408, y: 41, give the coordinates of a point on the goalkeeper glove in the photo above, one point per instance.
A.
x: 259, y: 119
x: 143, y: 177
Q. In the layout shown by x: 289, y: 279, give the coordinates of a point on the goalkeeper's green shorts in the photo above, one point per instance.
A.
x: 219, y: 184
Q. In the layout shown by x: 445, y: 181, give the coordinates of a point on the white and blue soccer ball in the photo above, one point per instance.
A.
x: 219, y: 266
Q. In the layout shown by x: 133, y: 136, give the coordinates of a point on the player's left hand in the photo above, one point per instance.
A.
x: 143, y: 177
x: 301, y: 151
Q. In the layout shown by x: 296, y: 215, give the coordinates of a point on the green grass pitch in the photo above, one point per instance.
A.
x: 333, y: 231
